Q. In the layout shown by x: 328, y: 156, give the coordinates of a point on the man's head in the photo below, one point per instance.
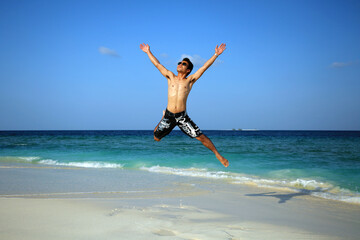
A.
x: 187, y: 65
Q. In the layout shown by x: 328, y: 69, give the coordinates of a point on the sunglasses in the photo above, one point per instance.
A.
x: 184, y: 64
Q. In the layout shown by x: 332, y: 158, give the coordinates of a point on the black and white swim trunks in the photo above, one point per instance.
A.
x: 182, y: 120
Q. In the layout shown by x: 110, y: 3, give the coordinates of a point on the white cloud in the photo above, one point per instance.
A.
x: 108, y: 51
x: 199, y: 61
x: 164, y: 55
x: 340, y: 64
x: 196, y: 60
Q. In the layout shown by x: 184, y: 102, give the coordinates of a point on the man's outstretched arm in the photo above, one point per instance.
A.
x: 200, y: 71
x: 153, y: 59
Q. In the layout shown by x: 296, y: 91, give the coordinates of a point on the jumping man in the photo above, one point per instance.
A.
x: 179, y: 88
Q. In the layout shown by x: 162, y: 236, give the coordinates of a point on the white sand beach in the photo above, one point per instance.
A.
x: 74, y: 203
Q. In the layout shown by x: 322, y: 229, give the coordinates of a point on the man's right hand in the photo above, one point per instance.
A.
x: 145, y: 47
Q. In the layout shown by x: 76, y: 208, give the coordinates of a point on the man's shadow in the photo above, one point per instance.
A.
x: 284, y: 197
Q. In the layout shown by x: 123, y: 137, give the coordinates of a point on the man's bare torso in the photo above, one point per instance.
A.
x: 179, y: 88
x: 178, y: 92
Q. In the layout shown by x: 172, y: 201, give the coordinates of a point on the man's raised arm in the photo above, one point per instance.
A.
x: 153, y: 59
x: 200, y: 71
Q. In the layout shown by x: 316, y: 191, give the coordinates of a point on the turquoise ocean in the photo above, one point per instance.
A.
x: 325, y: 164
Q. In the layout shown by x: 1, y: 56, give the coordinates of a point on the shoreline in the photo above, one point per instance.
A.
x: 315, y: 188
x: 42, y: 203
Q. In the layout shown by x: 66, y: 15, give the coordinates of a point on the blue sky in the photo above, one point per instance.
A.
x: 76, y: 65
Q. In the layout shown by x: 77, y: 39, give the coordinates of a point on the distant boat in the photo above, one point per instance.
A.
x: 239, y: 129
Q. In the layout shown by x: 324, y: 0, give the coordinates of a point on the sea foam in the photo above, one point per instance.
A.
x: 28, y: 159
x: 82, y: 164
x: 38, y: 160
x: 306, y: 186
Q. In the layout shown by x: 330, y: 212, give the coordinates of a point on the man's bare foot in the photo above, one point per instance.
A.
x: 223, y: 160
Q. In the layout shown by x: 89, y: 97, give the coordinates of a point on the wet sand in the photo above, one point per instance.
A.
x: 77, y: 203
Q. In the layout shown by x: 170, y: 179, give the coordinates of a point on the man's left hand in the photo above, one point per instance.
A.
x: 219, y: 50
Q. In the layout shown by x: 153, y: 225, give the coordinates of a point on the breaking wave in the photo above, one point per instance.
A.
x: 38, y: 160
x: 82, y: 164
x: 306, y: 186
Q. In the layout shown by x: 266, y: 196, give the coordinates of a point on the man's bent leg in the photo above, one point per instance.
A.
x: 208, y: 143
x: 155, y: 138
x: 164, y: 127
x: 192, y: 130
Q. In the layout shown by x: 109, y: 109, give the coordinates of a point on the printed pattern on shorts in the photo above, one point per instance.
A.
x: 183, y: 121
x: 188, y: 126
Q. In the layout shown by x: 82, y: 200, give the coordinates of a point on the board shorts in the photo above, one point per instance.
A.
x: 182, y: 120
